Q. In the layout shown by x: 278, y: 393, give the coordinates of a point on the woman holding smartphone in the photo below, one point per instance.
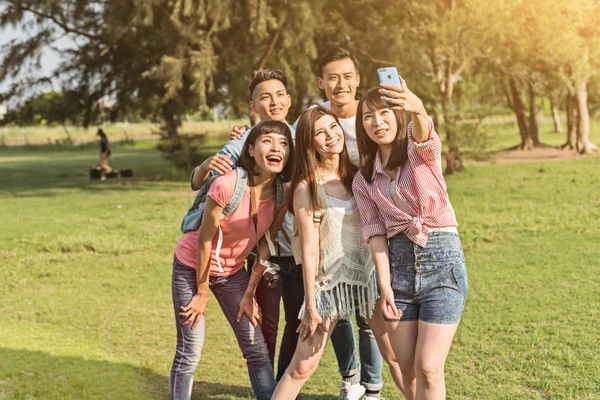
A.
x: 338, y: 271
x: 207, y: 259
x: 410, y: 226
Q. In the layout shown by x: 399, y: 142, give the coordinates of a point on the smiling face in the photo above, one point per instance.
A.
x: 328, y: 136
x: 380, y: 125
x: 339, y: 79
x: 270, y: 151
x: 271, y: 100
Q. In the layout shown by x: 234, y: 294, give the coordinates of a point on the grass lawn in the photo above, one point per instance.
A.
x: 85, y: 266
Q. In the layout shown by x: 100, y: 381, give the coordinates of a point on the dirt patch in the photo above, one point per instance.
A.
x: 537, y: 155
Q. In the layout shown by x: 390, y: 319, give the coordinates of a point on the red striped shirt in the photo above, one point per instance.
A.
x: 419, y: 183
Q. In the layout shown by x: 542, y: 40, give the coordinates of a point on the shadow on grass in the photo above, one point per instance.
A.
x: 35, y: 374
x: 37, y: 174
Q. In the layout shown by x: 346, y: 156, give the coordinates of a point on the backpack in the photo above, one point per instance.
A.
x: 192, y: 220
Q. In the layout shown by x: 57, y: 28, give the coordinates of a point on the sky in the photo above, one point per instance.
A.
x: 49, y: 60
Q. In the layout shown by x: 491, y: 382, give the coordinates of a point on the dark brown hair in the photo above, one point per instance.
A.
x: 368, y: 148
x: 308, y: 160
x: 268, y: 75
x: 335, y: 54
x: 247, y: 162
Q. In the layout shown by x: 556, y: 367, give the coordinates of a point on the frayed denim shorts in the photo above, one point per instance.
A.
x: 429, y: 283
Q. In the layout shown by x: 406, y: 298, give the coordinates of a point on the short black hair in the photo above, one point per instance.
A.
x: 268, y: 75
x: 335, y: 54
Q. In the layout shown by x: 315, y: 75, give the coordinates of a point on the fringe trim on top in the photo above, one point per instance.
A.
x: 342, y: 300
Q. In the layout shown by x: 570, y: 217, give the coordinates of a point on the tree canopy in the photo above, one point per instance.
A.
x: 167, y: 58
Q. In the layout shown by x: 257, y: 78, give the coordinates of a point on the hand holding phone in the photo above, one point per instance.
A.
x: 396, y: 93
x: 389, y: 75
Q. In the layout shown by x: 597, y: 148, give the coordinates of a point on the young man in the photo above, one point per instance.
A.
x: 270, y: 99
x: 338, y: 75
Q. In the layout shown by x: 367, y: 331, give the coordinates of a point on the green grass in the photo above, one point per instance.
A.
x: 85, y: 266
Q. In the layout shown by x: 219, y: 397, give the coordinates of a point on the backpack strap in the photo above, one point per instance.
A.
x: 280, y: 198
x: 280, y: 191
x: 235, y: 200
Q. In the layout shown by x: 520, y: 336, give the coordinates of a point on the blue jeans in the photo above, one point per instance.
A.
x: 228, y: 292
x: 293, y: 297
x: 371, y: 361
x: 430, y: 283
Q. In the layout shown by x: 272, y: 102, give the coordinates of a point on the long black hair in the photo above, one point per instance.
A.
x: 368, y: 148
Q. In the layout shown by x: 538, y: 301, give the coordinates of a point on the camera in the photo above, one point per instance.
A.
x: 270, y: 273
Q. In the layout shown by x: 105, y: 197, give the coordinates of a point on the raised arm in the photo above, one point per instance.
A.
x: 303, y: 210
x: 424, y: 140
x: 221, y: 163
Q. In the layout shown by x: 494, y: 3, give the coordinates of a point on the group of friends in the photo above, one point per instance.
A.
x: 349, y: 217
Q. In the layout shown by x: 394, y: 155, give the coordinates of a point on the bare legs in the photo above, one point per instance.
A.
x: 304, y: 363
x: 421, y: 349
x: 378, y: 327
x: 104, y: 162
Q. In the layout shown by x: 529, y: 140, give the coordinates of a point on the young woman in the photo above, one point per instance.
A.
x: 410, y: 226
x: 104, y: 151
x: 338, y: 271
x: 206, y: 261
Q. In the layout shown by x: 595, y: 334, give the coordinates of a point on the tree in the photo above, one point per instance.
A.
x: 157, y: 54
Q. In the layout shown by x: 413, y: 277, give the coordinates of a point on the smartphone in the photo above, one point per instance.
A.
x: 390, y: 76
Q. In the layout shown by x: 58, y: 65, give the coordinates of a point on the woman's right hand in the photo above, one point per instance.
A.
x: 310, y: 323
x: 388, y: 305
x: 194, y: 310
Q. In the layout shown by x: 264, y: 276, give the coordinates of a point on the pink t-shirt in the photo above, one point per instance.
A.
x: 238, y: 230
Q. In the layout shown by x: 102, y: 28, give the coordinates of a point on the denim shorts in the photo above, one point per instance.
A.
x: 429, y: 283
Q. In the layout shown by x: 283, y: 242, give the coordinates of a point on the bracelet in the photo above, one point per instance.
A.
x: 252, y: 269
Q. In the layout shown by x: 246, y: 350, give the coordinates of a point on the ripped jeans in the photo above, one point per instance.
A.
x: 228, y: 291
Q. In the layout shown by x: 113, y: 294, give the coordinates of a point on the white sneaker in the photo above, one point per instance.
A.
x: 349, y: 391
x: 367, y: 397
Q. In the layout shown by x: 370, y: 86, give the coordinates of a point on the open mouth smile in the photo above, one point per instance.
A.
x: 332, y: 143
x: 274, y: 160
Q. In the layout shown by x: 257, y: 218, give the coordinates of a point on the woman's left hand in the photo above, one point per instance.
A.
x: 250, y: 308
x: 401, y: 98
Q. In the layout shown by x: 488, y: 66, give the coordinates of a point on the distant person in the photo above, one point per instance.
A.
x: 410, y: 226
x: 104, y: 151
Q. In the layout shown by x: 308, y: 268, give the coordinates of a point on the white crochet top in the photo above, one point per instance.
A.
x: 346, y: 279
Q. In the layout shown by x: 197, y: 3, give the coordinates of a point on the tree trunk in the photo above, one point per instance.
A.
x: 521, y: 115
x: 534, y: 128
x: 584, y: 146
x: 454, y: 162
x: 555, y: 115
x: 170, y: 120
x: 572, y: 122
